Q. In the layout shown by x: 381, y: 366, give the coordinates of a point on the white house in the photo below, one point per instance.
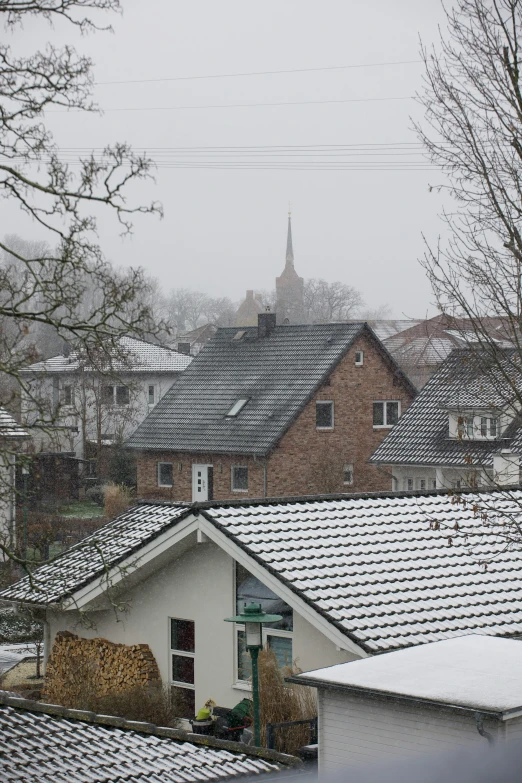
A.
x: 12, y: 436
x: 70, y: 402
x: 351, y: 576
x: 420, y: 702
x: 464, y: 429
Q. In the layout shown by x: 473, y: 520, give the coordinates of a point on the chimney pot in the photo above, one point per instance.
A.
x: 266, y: 323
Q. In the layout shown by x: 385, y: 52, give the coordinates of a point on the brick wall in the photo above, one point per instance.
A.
x: 310, y: 461
x: 306, y: 460
x: 182, y: 475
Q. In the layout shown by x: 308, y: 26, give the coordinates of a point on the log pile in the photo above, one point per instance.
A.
x: 100, y: 667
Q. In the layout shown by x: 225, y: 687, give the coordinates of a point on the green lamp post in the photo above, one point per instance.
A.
x: 253, y: 617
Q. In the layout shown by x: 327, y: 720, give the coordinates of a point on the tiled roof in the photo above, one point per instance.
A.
x: 140, y: 356
x: 91, y: 558
x: 421, y: 436
x: 9, y: 427
x: 278, y: 374
x: 375, y: 567
x: 50, y: 744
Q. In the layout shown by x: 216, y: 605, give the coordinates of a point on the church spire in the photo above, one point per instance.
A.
x: 289, y: 248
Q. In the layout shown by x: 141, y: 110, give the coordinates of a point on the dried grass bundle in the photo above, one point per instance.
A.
x: 117, y: 498
x: 280, y: 702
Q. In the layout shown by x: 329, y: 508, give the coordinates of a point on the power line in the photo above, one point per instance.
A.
x: 260, y: 73
x: 237, y: 105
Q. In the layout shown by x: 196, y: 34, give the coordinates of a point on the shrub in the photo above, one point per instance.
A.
x: 152, y: 703
x: 117, y: 499
x: 282, y: 702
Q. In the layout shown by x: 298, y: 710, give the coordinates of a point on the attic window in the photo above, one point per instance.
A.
x: 239, y: 335
x: 237, y: 407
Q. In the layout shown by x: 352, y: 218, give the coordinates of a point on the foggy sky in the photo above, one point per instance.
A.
x: 225, y: 230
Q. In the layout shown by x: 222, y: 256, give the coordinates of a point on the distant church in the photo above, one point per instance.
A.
x: 289, y: 294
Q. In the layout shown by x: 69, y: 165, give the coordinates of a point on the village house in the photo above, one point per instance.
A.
x: 12, y: 440
x: 351, y: 577
x: 418, y: 704
x: 272, y: 411
x: 464, y: 427
x: 94, y: 402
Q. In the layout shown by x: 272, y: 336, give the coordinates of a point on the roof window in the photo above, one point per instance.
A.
x: 237, y: 407
x: 239, y: 335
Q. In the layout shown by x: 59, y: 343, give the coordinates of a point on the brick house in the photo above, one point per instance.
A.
x: 274, y: 411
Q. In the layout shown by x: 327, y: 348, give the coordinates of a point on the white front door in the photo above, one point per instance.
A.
x: 200, y: 483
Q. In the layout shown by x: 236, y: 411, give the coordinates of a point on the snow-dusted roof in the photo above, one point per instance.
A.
x: 375, y: 567
x: 9, y: 427
x: 139, y: 356
x: 51, y: 744
x: 475, y: 672
x: 466, y: 380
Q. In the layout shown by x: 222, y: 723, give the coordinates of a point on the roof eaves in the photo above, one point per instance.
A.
x: 336, y: 624
x: 93, y: 578
x: 373, y: 693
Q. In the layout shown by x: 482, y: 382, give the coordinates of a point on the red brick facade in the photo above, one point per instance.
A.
x: 306, y: 461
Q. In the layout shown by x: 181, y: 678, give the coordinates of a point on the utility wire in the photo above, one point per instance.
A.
x: 236, y: 105
x: 260, y: 73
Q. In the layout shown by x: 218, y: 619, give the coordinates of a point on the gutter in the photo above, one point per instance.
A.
x: 373, y: 693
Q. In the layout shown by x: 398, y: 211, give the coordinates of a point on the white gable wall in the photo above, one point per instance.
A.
x: 356, y: 731
x: 198, y: 586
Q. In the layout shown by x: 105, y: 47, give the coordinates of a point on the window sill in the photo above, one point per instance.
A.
x: 242, y: 686
x: 239, y: 490
x: 166, y: 486
x: 324, y: 429
x: 383, y: 426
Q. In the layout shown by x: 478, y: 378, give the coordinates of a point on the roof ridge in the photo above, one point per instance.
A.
x: 167, y: 732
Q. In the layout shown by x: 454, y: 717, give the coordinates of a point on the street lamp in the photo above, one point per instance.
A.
x: 253, y: 617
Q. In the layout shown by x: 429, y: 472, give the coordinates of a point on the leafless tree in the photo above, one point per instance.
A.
x: 325, y: 302
x: 472, y: 131
x: 46, y: 286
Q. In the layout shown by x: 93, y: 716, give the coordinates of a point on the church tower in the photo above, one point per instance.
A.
x: 290, y: 288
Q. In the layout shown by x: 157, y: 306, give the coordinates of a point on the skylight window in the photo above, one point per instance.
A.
x: 237, y: 407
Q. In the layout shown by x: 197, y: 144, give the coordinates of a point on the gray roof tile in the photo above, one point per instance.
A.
x: 373, y: 566
x: 50, y: 744
x: 277, y: 373
x: 464, y: 381
x: 139, y: 356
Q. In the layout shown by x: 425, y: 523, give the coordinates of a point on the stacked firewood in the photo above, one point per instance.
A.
x: 100, y: 667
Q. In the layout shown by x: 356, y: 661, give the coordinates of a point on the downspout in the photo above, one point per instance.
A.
x: 265, y: 480
x: 479, y: 721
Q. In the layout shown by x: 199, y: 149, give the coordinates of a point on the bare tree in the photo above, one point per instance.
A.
x: 472, y: 131
x: 46, y: 286
x: 326, y: 302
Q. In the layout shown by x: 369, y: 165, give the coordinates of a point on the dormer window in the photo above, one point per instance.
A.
x: 237, y: 407
x: 474, y: 427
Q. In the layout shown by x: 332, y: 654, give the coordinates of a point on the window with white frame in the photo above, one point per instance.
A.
x: 324, y: 415
x: 471, y: 427
x: 359, y: 358
x: 182, y: 655
x: 239, y: 478
x: 277, y: 636
x: 348, y: 474
x: 116, y: 395
x: 151, y: 394
x: 165, y: 474
x: 237, y: 407
x: 386, y: 413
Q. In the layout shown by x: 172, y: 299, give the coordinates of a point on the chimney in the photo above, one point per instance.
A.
x: 249, y: 295
x: 266, y: 323
x: 184, y: 348
x: 506, y: 468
